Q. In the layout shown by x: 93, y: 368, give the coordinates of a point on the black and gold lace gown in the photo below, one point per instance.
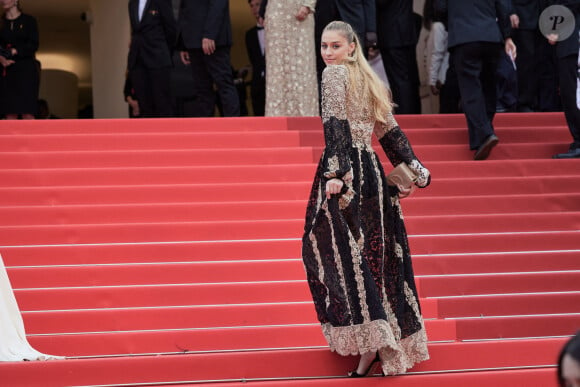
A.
x: 355, y: 248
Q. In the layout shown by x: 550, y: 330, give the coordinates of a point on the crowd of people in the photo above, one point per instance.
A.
x: 534, y: 71
x: 466, y: 67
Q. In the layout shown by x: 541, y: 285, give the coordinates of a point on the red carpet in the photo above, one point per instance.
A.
x: 167, y: 251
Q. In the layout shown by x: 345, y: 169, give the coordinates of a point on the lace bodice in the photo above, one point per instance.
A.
x: 349, y: 122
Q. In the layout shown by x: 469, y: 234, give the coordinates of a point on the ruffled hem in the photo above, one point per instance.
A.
x: 26, y: 353
x: 397, y: 356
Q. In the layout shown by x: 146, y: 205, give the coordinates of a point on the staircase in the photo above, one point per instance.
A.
x: 167, y: 252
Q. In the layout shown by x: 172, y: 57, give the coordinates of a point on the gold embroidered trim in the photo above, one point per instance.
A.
x: 397, y: 356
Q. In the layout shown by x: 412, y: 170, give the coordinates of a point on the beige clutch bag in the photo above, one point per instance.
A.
x: 402, y: 175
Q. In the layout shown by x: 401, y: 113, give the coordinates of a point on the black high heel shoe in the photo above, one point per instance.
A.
x: 354, y: 374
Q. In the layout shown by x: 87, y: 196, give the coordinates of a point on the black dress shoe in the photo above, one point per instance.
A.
x: 484, y: 150
x: 571, y: 154
x: 355, y: 374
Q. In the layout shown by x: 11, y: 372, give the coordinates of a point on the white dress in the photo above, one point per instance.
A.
x: 13, y: 343
x: 291, y: 80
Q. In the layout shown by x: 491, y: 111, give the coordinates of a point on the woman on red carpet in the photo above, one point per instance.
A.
x: 13, y: 343
x: 355, y: 247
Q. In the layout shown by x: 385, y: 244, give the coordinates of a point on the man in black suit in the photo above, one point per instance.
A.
x: 477, y: 30
x: 525, y: 33
x: 206, y: 35
x: 360, y: 14
x: 567, y: 53
x: 397, y: 41
x: 153, y: 35
x: 255, y: 48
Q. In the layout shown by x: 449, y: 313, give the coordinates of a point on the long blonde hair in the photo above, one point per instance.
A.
x: 361, y: 73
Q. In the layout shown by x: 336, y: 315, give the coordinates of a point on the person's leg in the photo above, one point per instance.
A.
x: 547, y: 73
x: 219, y: 67
x: 161, y: 92
x: 205, y: 97
x: 449, y: 98
x: 490, y: 57
x: 525, y: 41
x: 140, y: 81
x: 468, y: 65
x: 258, y: 92
x: 567, y: 70
x: 399, y: 66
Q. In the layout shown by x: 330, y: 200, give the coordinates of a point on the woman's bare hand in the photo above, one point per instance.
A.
x: 405, y: 192
x: 333, y: 186
x: 6, y: 62
x: 303, y: 13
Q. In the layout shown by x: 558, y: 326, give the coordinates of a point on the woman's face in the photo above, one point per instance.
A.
x: 7, y: 4
x: 570, y: 371
x: 334, y: 47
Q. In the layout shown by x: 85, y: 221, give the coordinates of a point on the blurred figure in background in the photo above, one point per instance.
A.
x: 291, y: 83
x: 525, y: 33
x: 206, y: 40
x: 19, y: 71
x: 44, y: 111
x: 569, y: 363
x: 477, y: 31
x: 567, y: 53
x: 397, y: 40
x: 153, y: 36
x: 255, y: 45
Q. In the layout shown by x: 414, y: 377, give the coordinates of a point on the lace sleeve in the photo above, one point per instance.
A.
x: 337, y: 135
x: 398, y: 149
x: 310, y: 4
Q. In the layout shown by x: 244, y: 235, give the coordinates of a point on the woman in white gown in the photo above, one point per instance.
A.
x: 13, y: 343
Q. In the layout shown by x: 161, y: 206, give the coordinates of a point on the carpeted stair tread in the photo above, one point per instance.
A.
x: 499, y: 283
x: 531, y: 377
x: 275, y: 229
x: 159, y: 125
x: 205, y: 340
x: 287, y: 337
x: 239, y: 315
x: 262, y: 210
x: 288, y: 248
x: 509, y: 304
x: 269, y: 364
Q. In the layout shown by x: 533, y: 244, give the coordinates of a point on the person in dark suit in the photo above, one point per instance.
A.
x: 19, y: 69
x: 525, y: 33
x: 153, y: 36
x: 255, y: 47
x: 397, y: 41
x: 361, y: 15
x: 477, y: 30
x: 567, y: 53
x: 548, y: 95
x: 206, y: 36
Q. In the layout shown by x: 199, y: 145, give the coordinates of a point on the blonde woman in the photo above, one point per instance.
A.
x: 291, y: 82
x: 355, y: 247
